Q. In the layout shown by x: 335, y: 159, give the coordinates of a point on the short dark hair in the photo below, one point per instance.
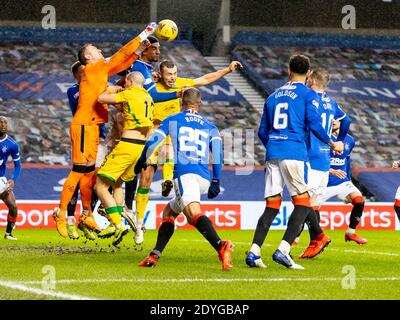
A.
x: 299, y: 64
x: 81, y: 54
x: 321, y: 76
x: 191, y: 96
x: 75, y: 67
x: 167, y: 64
x: 152, y: 39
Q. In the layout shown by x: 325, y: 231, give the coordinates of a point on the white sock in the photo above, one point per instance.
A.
x: 284, y: 247
x: 71, y: 220
x: 351, y: 231
x: 255, y: 248
x: 139, y: 223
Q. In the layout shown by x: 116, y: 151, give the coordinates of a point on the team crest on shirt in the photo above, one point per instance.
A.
x: 4, y: 149
x: 315, y: 104
x: 346, y: 146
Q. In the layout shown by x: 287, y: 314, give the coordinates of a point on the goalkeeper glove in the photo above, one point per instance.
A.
x: 150, y: 29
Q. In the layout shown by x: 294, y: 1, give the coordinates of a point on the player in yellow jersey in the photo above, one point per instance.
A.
x: 137, y: 109
x: 168, y: 82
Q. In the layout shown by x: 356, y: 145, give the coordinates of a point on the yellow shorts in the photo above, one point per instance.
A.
x: 120, y: 163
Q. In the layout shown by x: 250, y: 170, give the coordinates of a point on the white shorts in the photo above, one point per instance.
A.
x: 341, y: 191
x: 397, y: 197
x: 102, y: 151
x: 3, y: 184
x: 317, y: 181
x: 188, y: 188
x: 284, y: 172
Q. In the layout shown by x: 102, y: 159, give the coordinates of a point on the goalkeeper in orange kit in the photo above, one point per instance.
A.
x: 84, y: 129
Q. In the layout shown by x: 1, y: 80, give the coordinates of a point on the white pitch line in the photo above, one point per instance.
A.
x: 56, y: 294
x: 186, y: 280
x: 365, y: 252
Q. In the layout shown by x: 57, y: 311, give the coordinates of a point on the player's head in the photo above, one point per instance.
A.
x: 88, y: 53
x: 152, y: 53
x: 134, y: 79
x: 168, y: 72
x: 191, y: 99
x: 3, y: 126
x: 335, y: 126
x: 318, y: 79
x: 76, y: 70
x: 298, y: 65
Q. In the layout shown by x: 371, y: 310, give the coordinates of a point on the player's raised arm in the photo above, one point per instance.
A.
x: 123, y: 58
x: 214, y: 76
x: 110, y: 95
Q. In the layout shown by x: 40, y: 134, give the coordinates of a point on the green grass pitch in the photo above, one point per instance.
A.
x: 189, y: 269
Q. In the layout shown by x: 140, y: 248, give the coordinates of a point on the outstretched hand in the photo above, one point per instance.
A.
x: 235, y: 65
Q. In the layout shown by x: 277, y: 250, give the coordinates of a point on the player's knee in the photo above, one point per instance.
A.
x: 168, y: 213
x: 358, y: 201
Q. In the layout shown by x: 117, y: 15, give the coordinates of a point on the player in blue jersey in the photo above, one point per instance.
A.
x: 340, y: 185
x: 289, y: 114
x: 319, y: 152
x: 144, y: 66
x: 8, y: 147
x: 192, y: 137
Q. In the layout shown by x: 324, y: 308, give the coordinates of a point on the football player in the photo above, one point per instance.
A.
x: 289, y: 114
x: 193, y: 136
x: 8, y: 147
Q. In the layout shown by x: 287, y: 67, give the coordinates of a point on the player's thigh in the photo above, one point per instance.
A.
x: 293, y: 173
x: 189, y: 188
x: 84, y: 142
x: 119, y: 160
x: 317, y: 181
x: 102, y: 151
x: 135, y: 153
x: 346, y: 189
x: 3, y: 185
x: 274, y: 182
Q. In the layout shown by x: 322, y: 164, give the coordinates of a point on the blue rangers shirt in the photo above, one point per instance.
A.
x: 341, y: 162
x: 8, y: 147
x: 147, y: 71
x: 289, y: 113
x: 319, y: 153
x: 73, y: 96
x: 192, y: 137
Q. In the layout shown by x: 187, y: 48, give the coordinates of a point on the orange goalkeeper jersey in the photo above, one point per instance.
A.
x: 94, y: 82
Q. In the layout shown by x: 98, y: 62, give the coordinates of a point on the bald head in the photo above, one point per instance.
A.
x: 191, y: 98
x: 134, y: 79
